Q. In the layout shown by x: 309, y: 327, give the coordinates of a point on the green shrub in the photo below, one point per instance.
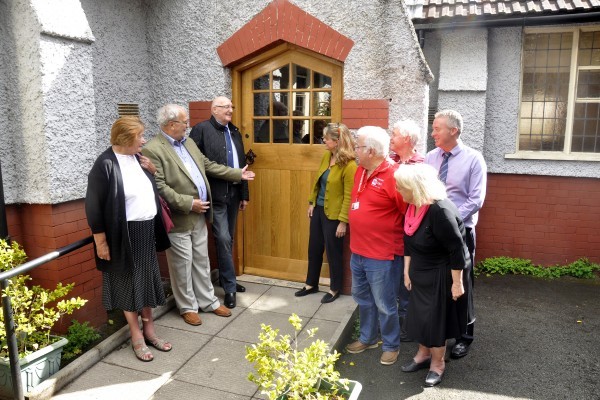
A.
x: 581, y: 268
x: 80, y: 336
x: 35, y: 309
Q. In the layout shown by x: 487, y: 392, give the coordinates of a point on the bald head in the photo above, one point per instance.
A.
x: 222, y: 110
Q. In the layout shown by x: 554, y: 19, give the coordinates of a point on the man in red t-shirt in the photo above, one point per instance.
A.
x: 376, y: 241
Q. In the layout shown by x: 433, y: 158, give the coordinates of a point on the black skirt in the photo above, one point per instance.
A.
x: 140, y: 286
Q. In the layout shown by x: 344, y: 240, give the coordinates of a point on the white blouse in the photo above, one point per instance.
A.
x: 139, y: 196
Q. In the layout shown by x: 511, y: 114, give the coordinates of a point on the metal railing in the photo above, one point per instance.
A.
x: 9, y: 323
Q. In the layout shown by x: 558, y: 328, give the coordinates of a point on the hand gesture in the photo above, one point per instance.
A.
x: 247, y: 175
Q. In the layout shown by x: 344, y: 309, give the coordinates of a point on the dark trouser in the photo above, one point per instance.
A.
x: 223, y: 227
x: 322, y: 236
x: 468, y: 336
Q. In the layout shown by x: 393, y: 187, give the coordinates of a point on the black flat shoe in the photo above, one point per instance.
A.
x: 433, y: 378
x: 239, y: 288
x: 328, y: 298
x: 460, y: 350
x: 304, y: 291
x: 413, y: 366
x: 229, y: 300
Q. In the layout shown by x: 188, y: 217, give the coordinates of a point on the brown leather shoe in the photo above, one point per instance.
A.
x: 191, y: 318
x: 222, y: 311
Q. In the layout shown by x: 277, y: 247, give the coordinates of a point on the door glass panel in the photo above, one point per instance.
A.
x: 300, y: 131
x: 261, y: 104
x: 281, y: 78
x: 301, y: 77
x: 322, y: 104
x: 319, y: 126
x: 262, y: 83
x: 261, y: 131
x: 300, y: 104
x: 280, y: 104
x: 281, y: 132
x: 322, y: 81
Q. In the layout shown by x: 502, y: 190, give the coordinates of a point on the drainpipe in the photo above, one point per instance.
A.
x: 3, y: 222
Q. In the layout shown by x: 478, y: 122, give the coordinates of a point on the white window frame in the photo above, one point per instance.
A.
x: 566, y: 154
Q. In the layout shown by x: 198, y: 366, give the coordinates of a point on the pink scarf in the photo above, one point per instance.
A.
x: 412, y: 219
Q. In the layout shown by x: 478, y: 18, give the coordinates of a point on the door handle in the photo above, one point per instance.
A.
x: 250, y: 156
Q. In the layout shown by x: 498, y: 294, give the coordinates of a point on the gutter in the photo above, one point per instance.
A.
x: 514, y: 21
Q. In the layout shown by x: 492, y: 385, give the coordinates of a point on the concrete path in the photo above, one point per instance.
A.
x: 207, y: 362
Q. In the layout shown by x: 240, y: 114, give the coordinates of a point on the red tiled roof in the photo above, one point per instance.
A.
x: 434, y: 9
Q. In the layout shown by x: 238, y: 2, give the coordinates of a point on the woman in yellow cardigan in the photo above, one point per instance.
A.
x: 328, y: 208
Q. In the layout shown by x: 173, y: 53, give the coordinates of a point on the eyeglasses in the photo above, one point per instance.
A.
x: 183, y: 122
x: 358, y: 147
x: 333, y: 125
x: 227, y: 107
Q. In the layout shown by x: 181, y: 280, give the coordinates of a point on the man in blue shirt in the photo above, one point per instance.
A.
x: 464, y: 172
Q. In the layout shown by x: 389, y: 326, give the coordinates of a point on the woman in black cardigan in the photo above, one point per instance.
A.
x: 124, y: 214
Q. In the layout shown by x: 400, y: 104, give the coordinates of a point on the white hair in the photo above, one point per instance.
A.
x: 169, y: 112
x: 422, y: 181
x: 376, y: 139
x: 408, y: 128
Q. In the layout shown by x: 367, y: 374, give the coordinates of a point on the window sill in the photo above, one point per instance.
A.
x: 552, y: 156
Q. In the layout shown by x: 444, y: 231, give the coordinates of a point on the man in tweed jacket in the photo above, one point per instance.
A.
x: 181, y: 171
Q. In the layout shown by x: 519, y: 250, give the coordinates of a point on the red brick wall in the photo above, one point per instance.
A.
x: 550, y: 220
x: 199, y: 111
x: 359, y: 113
x: 41, y: 229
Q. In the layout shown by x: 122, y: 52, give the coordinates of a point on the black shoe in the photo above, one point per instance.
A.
x: 304, y: 291
x: 328, y: 298
x: 239, y: 288
x: 433, y: 378
x: 460, y: 350
x: 413, y: 366
x: 229, y: 300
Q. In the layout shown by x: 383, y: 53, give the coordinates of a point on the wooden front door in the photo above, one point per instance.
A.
x: 286, y: 101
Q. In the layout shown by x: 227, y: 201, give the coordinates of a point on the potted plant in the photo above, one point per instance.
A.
x: 35, y: 311
x: 282, y: 371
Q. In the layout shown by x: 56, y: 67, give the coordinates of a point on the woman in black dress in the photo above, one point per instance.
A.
x: 123, y: 211
x: 435, y: 255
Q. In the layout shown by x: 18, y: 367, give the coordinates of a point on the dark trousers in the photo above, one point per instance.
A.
x: 468, y: 336
x: 322, y: 236
x: 223, y: 227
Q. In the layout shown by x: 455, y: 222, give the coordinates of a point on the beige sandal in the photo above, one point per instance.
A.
x: 159, y: 344
x: 142, y: 352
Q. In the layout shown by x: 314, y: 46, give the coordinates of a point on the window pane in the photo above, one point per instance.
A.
x: 544, y: 91
x: 280, y: 104
x: 262, y: 82
x: 588, y: 84
x: 261, y: 104
x: 586, y: 132
x: 281, y: 132
x: 261, y: 131
x: 322, y: 103
x: 322, y: 81
x: 281, y: 78
x: 318, y: 126
x: 301, y: 78
x: 300, y: 130
x: 301, y: 103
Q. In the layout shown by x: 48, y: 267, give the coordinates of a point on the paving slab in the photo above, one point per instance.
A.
x: 221, y: 365
x: 211, y: 323
x: 324, y: 333
x: 179, y: 390
x: 246, y: 327
x: 282, y: 300
x: 337, y: 310
x: 247, y: 298
x: 107, y: 381
x: 185, y: 345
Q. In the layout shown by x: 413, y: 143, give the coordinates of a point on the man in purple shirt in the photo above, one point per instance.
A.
x: 464, y: 172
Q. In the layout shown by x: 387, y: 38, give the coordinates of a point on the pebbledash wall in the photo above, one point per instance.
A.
x: 543, y: 210
x: 66, y: 64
